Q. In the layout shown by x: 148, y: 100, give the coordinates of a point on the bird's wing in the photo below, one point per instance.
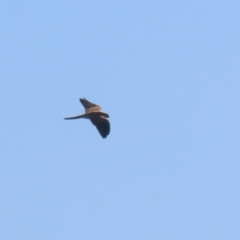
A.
x: 90, y: 107
x: 102, y: 124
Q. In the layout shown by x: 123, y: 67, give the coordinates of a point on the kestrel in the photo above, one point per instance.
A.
x: 96, y: 116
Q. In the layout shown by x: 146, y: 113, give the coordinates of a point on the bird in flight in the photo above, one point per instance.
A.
x: 96, y: 116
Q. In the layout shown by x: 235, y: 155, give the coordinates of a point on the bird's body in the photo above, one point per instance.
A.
x: 96, y: 116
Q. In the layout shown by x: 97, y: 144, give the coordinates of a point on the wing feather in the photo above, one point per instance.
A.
x: 102, y: 124
x: 88, y: 104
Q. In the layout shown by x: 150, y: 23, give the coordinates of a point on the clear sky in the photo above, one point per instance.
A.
x: 168, y: 74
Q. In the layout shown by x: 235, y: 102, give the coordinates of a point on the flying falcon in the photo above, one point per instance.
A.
x: 96, y: 116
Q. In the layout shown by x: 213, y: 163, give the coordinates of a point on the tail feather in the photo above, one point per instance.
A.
x: 75, y: 117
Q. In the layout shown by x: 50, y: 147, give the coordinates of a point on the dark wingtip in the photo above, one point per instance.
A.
x: 81, y: 100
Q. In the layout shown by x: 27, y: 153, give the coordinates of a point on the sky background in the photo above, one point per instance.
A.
x: 167, y: 72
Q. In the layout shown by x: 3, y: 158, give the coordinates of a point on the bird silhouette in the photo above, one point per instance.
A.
x: 96, y: 116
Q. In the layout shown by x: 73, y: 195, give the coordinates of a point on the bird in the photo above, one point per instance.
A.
x: 96, y: 116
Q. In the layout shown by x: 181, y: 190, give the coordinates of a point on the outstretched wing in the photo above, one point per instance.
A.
x: 102, y: 124
x: 90, y: 107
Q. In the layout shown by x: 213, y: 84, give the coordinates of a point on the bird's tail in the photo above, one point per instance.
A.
x: 76, y: 117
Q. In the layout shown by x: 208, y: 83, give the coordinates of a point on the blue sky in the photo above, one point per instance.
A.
x: 167, y: 72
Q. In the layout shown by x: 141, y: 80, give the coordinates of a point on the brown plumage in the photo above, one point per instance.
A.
x: 96, y: 116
